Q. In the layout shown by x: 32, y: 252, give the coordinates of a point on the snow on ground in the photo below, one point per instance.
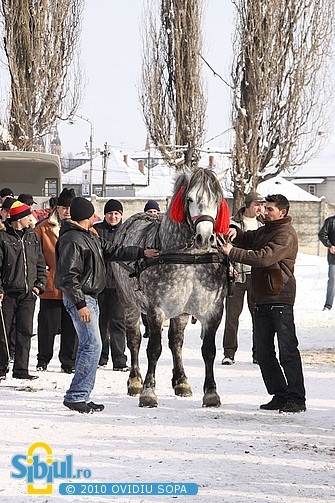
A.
x: 235, y: 453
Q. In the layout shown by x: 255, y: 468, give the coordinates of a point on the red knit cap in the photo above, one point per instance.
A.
x: 18, y: 210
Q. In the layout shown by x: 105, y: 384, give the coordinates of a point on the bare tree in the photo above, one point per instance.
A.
x: 41, y: 42
x: 171, y: 93
x: 282, y: 86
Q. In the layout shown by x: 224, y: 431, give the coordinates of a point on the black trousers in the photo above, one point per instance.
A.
x: 112, y: 328
x: 234, y: 306
x: 18, y: 309
x: 285, y: 379
x: 52, y: 320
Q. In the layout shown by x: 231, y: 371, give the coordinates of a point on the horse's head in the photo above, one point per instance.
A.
x: 199, y: 202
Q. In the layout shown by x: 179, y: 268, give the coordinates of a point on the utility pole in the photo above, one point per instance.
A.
x: 90, y: 147
x: 147, y: 147
x: 105, y: 153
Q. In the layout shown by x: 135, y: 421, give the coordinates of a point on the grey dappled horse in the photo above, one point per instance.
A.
x: 171, y: 287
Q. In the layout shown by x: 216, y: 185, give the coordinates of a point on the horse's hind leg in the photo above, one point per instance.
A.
x: 133, y: 334
x: 176, y: 340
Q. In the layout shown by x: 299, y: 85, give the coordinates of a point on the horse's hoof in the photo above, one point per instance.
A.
x: 135, y: 386
x: 148, y: 398
x: 182, y: 389
x: 211, y: 400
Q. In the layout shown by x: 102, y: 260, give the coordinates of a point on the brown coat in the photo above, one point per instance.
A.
x: 48, y: 232
x: 271, y: 251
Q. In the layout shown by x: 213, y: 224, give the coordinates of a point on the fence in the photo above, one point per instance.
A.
x: 307, y: 216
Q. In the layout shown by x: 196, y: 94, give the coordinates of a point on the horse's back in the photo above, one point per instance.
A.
x: 141, y: 230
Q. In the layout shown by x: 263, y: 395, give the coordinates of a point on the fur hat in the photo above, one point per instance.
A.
x: 81, y: 209
x: 27, y: 199
x: 152, y: 205
x: 254, y: 196
x: 18, y: 210
x: 65, y: 197
x: 6, y: 191
x: 113, y: 205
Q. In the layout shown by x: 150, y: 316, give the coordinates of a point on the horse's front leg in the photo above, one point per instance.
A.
x: 133, y: 334
x: 148, y: 396
x: 208, y: 350
x: 176, y: 340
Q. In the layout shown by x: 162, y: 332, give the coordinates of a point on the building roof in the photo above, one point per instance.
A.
x: 323, y: 165
x: 161, y: 182
x: 279, y: 185
x: 119, y: 173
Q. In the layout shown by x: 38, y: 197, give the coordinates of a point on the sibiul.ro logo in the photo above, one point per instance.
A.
x: 40, y: 470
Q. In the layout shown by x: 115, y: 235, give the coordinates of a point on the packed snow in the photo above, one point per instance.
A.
x: 235, y: 453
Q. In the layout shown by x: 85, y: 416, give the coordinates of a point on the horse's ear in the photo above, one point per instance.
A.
x: 222, y: 219
x: 177, y: 213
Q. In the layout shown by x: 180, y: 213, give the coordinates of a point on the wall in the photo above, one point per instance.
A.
x: 307, y: 217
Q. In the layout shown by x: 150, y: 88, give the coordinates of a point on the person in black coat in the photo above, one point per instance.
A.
x: 81, y: 275
x: 111, y: 318
x: 327, y: 238
x: 22, y: 278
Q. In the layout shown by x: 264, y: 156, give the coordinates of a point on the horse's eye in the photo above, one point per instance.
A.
x: 189, y: 200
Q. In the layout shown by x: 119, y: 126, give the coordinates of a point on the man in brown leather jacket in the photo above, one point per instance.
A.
x: 271, y: 251
x: 53, y: 317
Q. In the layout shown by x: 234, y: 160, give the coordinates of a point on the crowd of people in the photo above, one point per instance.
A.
x: 64, y: 259
x: 53, y: 258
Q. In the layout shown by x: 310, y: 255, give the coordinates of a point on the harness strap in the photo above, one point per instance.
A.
x: 179, y: 258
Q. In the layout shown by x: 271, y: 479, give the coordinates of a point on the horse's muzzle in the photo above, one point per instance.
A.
x: 204, y: 235
x: 204, y: 242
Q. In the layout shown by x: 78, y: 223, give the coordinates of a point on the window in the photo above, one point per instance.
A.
x: 312, y: 189
x: 50, y: 187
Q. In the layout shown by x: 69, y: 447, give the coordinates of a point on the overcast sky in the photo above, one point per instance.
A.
x: 111, y: 57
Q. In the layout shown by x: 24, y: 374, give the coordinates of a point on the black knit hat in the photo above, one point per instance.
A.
x: 152, y: 205
x: 65, y: 197
x: 81, y: 209
x: 113, y: 205
x: 8, y: 203
x: 6, y: 191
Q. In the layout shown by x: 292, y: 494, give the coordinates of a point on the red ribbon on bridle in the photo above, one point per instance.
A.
x: 177, y: 213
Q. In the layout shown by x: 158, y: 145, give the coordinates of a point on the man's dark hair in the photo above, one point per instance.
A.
x: 280, y: 201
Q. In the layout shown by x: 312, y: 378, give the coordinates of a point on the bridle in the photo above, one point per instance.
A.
x: 201, y: 218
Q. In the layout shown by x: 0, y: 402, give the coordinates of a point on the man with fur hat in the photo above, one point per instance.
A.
x: 22, y: 278
x: 111, y: 318
x: 52, y: 315
x: 247, y: 218
x: 81, y: 275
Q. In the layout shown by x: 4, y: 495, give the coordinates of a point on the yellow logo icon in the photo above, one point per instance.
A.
x: 47, y: 489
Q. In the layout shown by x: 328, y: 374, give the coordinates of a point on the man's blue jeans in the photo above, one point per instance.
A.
x: 88, y: 353
x: 330, y: 286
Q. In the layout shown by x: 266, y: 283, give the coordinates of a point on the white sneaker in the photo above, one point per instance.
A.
x: 227, y: 361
